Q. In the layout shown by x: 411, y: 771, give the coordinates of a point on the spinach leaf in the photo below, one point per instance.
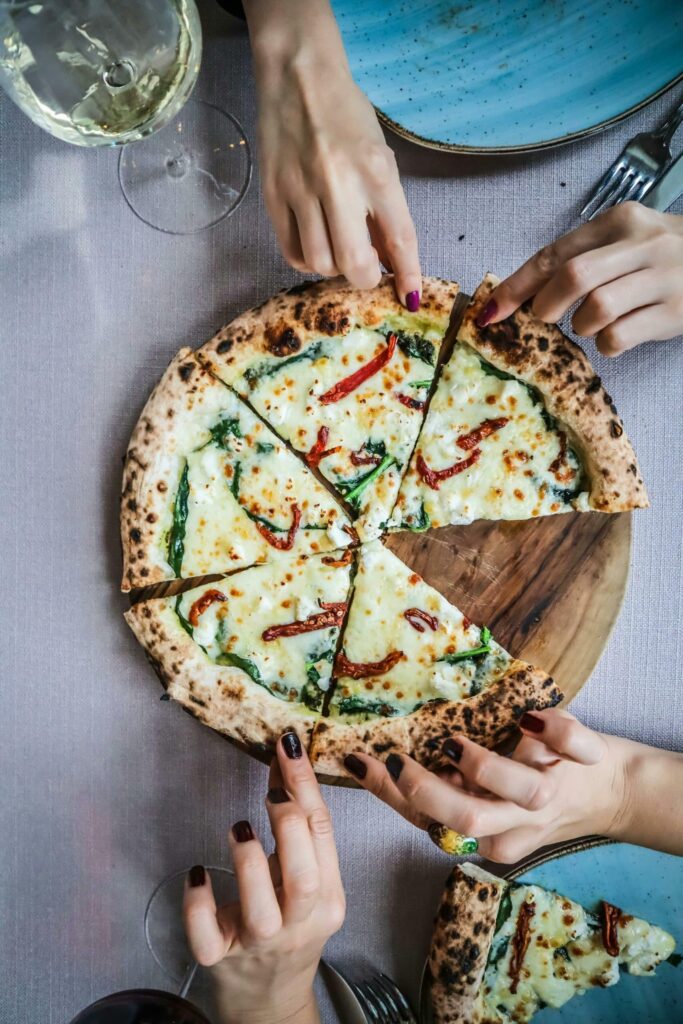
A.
x: 265, y: 522
x: 253, y: 374
x: 562, y: 953
x: 566, y: 494
x: 223, y: 430
x: 248, y: 666
x: 419, y: 383
x: 421, y: 523
x: 353, y: 496
x: 375, y: 448
x: 264, y: 447
x: 176, y: 539
x: 492, y: 371
x: 235, y: 482
x: 312, y: 696
x: 483, y: 648
x: 359, y: 706
x: 187, y: 626
x: 504, y: 910
x: 414, y: 346
x: 498, y: 951
x: 314, y: 526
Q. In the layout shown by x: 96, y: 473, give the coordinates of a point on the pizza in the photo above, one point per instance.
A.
x: 208, y: 487
x: 503, y: 950
x: 341, y: 375
x: 519, y: 426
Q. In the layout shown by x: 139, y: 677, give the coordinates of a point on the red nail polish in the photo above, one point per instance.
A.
x: 487, y: 314
x: 242, y: 831
x: 354, y: 765
x: 196, y: 876
x: 413, y: 302
x: 532, y: 722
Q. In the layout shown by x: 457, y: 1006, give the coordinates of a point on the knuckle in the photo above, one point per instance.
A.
x: 479, y: 773
x: 305, y: 885
x: 504, y: 849
x: 379, y: 165
x: 667, y: 246
x: 469, y: 822
x: 335, y: 913
x: 546, y: 260
x: 264, y: 928
x: 320, y: 823
x: 576, y: 274
x: 321, y: 263
x: 602, y: 305
x: 289, y: 822
x: 413, y: 789
x: 628, y: 215
x: 539, y: 795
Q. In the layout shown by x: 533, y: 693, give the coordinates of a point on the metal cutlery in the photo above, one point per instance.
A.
x: 667, y: 188
x: 636, y: 168
x: 377, y: 996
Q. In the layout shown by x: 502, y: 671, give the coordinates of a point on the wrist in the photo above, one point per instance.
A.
x: 301, y: 1010
x: 616, y: 814
x: 300, y: 33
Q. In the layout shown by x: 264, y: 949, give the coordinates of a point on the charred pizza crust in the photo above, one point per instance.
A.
x: 463, y: 930
x: 221, y: 697
x: 540, y: 354
x: 488, y: 718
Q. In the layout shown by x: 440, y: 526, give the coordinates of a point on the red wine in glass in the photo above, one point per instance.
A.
x: 141, y: 1006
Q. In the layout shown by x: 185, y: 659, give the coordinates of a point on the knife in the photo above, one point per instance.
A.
x: 667, y: 188
x: 347, y: 1006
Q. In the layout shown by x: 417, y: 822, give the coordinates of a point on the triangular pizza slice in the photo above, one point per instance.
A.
x: 519, y: 426
x: 413, y: 670
x: 208, y: 488
x: 341, y: 375
x: 251, y: 654
x: 503, y: 950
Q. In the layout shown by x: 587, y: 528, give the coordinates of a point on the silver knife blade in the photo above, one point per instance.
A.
x: 346, y: 1005
x: 667, y: 188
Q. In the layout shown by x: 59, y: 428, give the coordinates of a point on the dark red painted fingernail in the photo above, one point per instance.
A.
x: 291, y: 744
x: 453, y: 749
x: 413, y: 302
x: 354, y: 765
x: 532, y: 722
x: 394, y: 765
x: 196, y: 876
x: 278, y: 795
x: 242, y: 831
x: 487, y: 314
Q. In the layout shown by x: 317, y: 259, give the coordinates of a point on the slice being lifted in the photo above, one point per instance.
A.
x: 503, y: 950
x: 251, y: 655
x: 342, y: 375
x: 207, y: 487
x: 519, y: 426
x: 413, y: 670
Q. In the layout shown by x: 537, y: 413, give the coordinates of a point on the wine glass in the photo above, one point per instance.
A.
x: 112, y: 72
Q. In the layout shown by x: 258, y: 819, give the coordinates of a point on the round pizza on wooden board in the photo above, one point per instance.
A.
x: 281, y: 457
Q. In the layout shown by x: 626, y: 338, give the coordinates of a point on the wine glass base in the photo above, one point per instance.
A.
x: 191, y: 174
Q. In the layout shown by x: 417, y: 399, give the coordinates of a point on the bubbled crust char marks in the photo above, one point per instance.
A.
x: 489, y: 718
x: 542, y: 355
x: 292, y: 319
x: 463, y: 930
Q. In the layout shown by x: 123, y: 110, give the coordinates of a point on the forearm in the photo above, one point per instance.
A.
x: 304, y: 1012
x: 651, y: 807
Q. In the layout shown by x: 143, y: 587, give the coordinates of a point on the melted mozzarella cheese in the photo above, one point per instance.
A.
x: 520, y: 472
x: 289, y: 399
x: 384, y: 590
x: 286, y: 590
x: 219, y: 534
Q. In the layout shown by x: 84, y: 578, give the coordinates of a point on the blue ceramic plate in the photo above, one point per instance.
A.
x: 492, y: 76
x: 642, y: 882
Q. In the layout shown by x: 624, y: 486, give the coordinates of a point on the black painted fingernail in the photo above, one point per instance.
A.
x: 278, y: 795
x: 453, y: 749
x: 532, y: 722
x: 242, y: 831
x: 413, y: 301
x: 394, y: 765
x: 291, y: 744
x: 354, y: 765
x: 487, y: 314
x: 196, y: 876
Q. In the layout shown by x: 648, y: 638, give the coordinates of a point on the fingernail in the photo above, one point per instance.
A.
x: 394, y: 765
x: 242, y: 831
x: 354, y: 765
x: 453, y: 749
x: 291, y: 744
x: 532, y: 722
x: 278, y: 795
x: 450, y: 841
x: 196, y: 876
x: 487, y: 314
x: 413, y: 302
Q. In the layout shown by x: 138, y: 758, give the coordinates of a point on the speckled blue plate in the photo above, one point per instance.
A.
x: 644, y: 883
x: 492, y: 76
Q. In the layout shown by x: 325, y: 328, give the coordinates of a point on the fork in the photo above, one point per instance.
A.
x: 380, y: 999
x: 634, y: 171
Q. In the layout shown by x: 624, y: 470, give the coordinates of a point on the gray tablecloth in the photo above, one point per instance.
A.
x: 103, y: 789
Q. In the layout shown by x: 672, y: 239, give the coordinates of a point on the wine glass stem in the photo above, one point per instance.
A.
x: 188, y: 978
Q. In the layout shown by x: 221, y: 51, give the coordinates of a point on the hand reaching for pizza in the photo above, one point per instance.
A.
x: 264, y: 950
x: 563, y: 781
x: 625, y: 268
x: 330, y: 182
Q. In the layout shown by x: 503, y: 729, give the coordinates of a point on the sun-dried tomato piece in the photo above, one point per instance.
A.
x: 520, y: 942
x: 318, y: 451
x: 344, y: 387
x: 414, y: 615
x: 363, y: 669
x: 610, y: 919
x: 277, y: 540
x: 344, y: 559
x: 364, y: 458
x: 411, y: 403
x: 332, y: 615
x: 202, y: 603
x: 433, y: 477
x: 469, y: 441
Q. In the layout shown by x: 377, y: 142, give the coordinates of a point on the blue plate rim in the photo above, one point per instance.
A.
x: 530, y: 147
x: 569, y: 846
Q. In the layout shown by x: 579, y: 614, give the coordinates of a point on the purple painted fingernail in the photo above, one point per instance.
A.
x: 354, y: 765
x: 277, y: 795
x: 394, y: 766
x: 291, y: 744
x: 453, y: 749
x: 413, y: 302
x: 242, y: 831
x: 532, y: 722
x: 487, y: 314
x: 196, y: 876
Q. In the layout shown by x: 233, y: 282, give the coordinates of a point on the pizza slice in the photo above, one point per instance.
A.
x: 519, y: 426
x: 342, y: 375
x: 413, y: 670
x: 251, y: 654
x: 208, y: 488
x: 503, y: 950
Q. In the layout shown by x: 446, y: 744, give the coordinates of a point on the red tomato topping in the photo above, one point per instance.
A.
x: 610, y: 920
x: 411, y: 403
x: 332, y: 615
x: 469, y: 441
x: 276, y: 540
x: 344, y: 387
x: 363, y: 669
x: 520, y: 942
x: 433, y: 477
x: 318, y: 451
x: 202, y: 603
x: 344, y: 559
x: 364, y: 458
x: 413, y: 616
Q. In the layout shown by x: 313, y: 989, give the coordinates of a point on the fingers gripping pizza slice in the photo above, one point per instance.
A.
x: 207, y: 487
x: 519, y: 426
x: 503, y: 950
x: 412, y: 669
x: 251, y: 655
x: 342, y: 375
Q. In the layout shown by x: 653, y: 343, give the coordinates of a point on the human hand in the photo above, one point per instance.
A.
x: 330, y: 182
x: 626, y: 267
x: 264, y: 950
x: 563, y: 781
